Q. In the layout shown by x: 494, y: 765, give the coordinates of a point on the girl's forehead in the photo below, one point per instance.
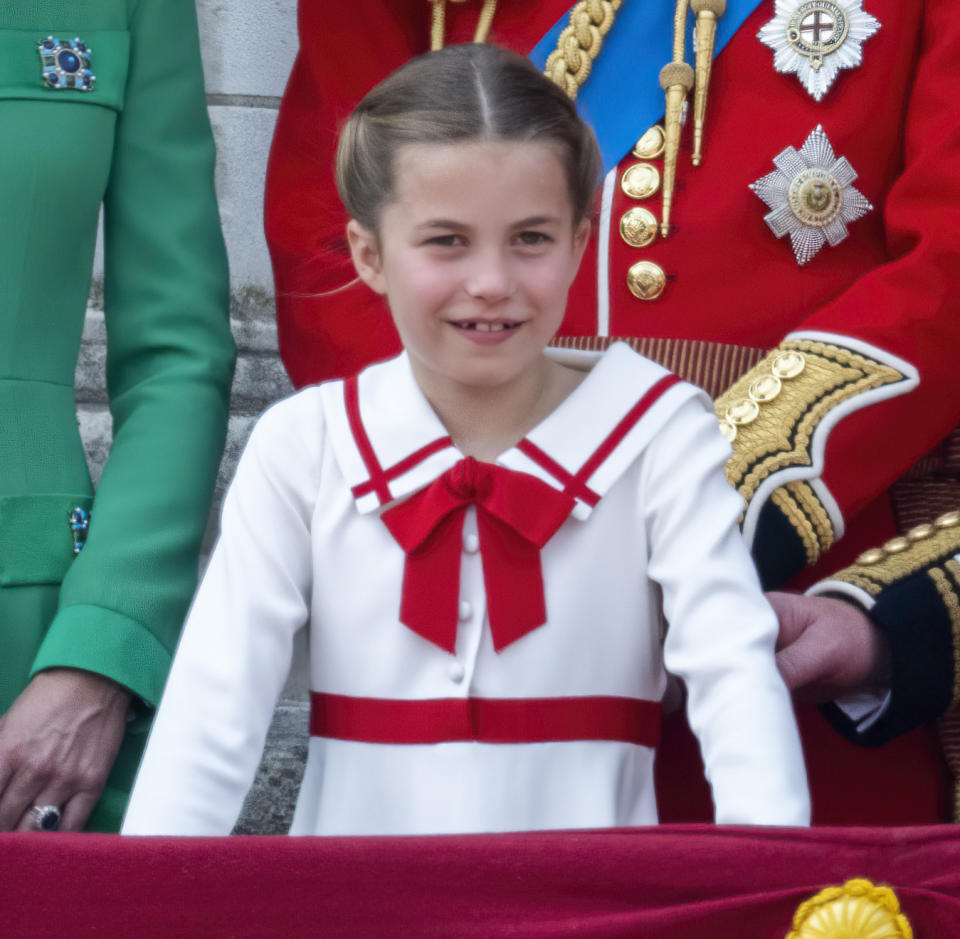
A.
x: 480, y: 173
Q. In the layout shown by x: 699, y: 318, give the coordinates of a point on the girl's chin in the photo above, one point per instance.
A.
x: 479, y: 366
x: 480, y: 375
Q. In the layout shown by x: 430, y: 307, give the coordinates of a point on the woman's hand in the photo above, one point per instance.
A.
x: 827, y: 647
x: 58, y: 742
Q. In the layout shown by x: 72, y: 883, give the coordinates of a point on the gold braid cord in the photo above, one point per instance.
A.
x: 947, y: 581
x: 948, y: 726
x: 805, y: 512
x: 926, y: 547
x: 953, y: 569
x: 770, y: 415
x: 438, y: 22
x: 857, y: 910
x: 579, y: 44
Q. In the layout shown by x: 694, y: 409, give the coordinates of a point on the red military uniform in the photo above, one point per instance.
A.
x: 875, y: 318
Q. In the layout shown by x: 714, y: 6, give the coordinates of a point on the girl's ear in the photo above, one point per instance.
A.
x: 365, y: 253
x: 581, y: 236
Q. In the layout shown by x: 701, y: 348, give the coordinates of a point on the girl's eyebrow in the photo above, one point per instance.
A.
x: 443, y: 223
x: 532, y: 222
x: 536, y: 220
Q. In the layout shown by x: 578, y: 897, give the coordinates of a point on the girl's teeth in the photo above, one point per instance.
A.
x: 486, y: 327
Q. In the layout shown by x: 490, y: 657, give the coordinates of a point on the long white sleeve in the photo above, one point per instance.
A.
x: 722, y: 632
x: 236, y: 647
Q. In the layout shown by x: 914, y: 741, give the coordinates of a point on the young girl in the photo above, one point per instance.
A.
x: 486, y: 539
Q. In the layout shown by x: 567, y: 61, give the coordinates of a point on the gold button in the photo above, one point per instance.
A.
x: 646, y: 280
x: 743, y: 411
x: 638, y: 227
x: 651, y: 144
x: 873, y: 556
x: 765, y: 389
x: 896, y: 545
x: 788, y: 364
x: 728, y: 430
x: 948, y: 520
x: 640, y: 181
x: 920, y: 532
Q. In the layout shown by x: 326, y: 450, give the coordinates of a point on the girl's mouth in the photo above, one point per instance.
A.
x: 483, y: 326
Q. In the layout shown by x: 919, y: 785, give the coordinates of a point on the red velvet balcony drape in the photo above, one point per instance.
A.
x: 674, y: 881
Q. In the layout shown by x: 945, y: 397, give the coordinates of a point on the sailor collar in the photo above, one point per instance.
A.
x: 389, y: 442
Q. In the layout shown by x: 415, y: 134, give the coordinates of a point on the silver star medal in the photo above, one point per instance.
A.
x: 811, y: 197
x: 817, y: 38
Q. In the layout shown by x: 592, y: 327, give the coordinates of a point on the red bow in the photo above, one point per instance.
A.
x: 517, y: 514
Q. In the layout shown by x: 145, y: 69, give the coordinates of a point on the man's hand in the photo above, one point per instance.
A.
x: 827, y: 647
x: 58, y: 742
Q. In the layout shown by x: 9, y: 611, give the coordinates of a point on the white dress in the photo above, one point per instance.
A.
x: 652, y: 539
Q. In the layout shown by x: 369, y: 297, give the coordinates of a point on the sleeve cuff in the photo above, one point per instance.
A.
x: 107, y: 643
x: 864, y: 708
x: 917, y: 627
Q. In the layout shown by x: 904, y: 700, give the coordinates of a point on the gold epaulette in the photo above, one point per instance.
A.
x: 770, y: 414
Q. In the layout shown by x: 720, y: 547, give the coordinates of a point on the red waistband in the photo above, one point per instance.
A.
x: 486, y: 720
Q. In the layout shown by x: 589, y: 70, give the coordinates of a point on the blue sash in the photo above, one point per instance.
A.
x: 622, y: 97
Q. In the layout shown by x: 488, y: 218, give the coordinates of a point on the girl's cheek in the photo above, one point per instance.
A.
x: 430, y: 278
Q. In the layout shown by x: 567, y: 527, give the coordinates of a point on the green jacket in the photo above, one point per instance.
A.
x: 139, y: 143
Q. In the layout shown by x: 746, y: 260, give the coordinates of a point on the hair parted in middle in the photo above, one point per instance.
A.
x: 461, y: 93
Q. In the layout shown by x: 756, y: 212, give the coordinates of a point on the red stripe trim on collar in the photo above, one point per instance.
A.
x: 404, y: 466
x: 571, y: 485
x: 625, y: 426
x: 576, y: 484
x: 485, y: 720
x: 351, y: 401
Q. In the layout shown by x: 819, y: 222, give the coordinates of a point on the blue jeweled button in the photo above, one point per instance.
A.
x: 65, y: 65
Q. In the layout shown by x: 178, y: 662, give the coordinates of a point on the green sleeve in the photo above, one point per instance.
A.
x: 169, y: 366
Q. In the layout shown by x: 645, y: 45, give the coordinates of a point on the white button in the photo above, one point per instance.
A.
x: 465, y: 611
x: 471, y: 543
x: 456, y: 671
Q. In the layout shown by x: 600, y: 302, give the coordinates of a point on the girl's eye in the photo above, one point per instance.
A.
x: 446, y: 241
x: 533, y: 238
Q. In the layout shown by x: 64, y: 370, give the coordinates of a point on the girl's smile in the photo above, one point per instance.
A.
x: 487, y: 331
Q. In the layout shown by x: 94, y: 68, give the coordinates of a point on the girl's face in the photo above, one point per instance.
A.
x: 475, y: 256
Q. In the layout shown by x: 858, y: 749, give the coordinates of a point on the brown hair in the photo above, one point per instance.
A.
x: 460, y: 93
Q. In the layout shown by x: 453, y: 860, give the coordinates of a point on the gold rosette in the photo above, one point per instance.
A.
x: 857, y: 910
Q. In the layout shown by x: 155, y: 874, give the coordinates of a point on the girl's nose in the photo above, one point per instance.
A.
x: 490, y: 277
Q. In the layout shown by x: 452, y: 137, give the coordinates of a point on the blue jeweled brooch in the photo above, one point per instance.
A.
x: 66, y: 64
x: 79, y: 527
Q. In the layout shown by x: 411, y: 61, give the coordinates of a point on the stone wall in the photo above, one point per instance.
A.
x: 248, y: 47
